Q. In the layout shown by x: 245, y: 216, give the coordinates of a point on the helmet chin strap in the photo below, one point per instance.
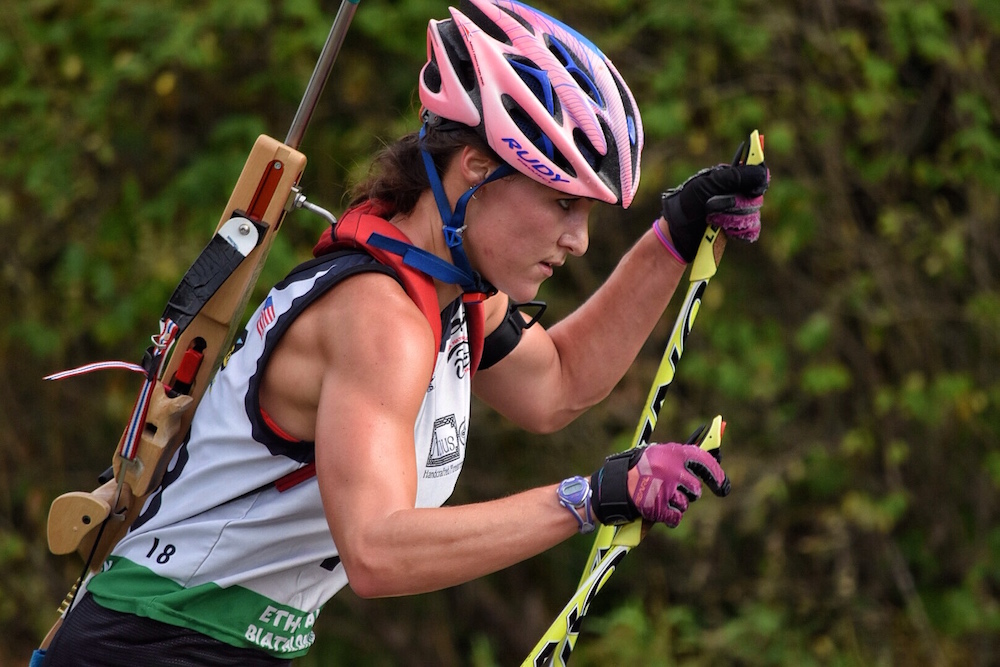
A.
x: 459, y: 271
x: 454, y: 221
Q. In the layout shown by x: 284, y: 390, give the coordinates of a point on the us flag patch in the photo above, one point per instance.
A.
x: 266, y: 317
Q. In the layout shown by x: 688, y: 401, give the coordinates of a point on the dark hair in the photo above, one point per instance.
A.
x: 397, y: 177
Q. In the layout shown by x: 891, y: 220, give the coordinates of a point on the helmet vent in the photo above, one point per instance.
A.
x: 485, y: 23
x: 458, y: 54
x: 432, y: 76
x: 520, y: 19
x: 528, y: 127
x: 534, y: 134
x: 587, y: 149
x: 537, y: 81
x: 632, y: 118
x: 587, y: 85
x: 576, y: 69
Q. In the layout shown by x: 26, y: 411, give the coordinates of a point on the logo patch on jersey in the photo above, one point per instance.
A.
x: 236, y: 346
x: 446, y: 442
x: 459, y: 356
x: 266, y: 317
x: 458, y: 350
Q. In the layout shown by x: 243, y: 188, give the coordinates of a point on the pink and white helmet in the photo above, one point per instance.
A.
x: 541, y: 94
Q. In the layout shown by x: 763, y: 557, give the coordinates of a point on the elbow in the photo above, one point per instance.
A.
x: 365, y: 587
x: 377, y: 559
x: 551, y: 421
x: 558, y: 417
x: 372, y: 573
x: 366, y: 582
x: 548, y: 424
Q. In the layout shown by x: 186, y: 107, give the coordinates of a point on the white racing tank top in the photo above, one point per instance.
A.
x: 219, y: 548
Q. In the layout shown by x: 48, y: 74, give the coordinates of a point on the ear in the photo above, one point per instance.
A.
x: 475, y: 165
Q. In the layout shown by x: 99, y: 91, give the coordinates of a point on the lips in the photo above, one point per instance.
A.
x: 549, y: 267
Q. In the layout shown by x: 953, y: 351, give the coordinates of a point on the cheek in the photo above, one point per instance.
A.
x: 512, y: 251
x: 487, y: 255
x: 495, y: 256
x: 495, y: 240
x: 502, y: 259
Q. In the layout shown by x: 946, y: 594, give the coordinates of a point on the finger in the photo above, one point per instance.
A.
x: 754, y: 179
x: 705, y: 467
x: 723, y: 489
x: 719, y: 486
x: 743, y: 227
x: 724, y: 178
x: 690, y: 492
x: 679, y: 501
x: 690, y: 483
x: 720, y: 204
x: 744, y: 179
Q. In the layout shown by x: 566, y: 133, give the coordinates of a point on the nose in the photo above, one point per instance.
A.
x: 576, y: 237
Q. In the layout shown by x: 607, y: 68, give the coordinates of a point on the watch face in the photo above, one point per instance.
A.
x: 574, y: 490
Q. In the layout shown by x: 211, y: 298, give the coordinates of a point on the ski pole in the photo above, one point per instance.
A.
x: 556, y: 645
x: 612, y: 543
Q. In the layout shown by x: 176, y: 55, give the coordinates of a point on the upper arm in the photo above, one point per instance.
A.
x: 377, y: 352
x: 527, y: 385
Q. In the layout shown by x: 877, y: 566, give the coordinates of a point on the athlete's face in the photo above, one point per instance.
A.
x: 519, y: 231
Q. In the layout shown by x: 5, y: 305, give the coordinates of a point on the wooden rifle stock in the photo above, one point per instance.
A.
x: 261, y: 194
x: 91, y: 523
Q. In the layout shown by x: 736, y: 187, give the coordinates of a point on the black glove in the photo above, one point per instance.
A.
x: 727, y: 196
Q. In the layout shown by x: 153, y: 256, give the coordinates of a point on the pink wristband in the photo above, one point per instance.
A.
x: 666, y: 242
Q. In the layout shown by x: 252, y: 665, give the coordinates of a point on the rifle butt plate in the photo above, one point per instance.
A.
x: 72, y: 517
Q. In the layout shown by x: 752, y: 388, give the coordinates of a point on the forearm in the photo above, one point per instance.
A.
x: 419, y: 550
x: 579, y: 360
x: 599, y: 341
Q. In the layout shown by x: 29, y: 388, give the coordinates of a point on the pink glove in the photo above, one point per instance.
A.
x: 656, y: 483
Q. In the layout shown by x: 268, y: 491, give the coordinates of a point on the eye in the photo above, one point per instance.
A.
x: 566, y: 204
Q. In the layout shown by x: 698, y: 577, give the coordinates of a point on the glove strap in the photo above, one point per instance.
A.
x: 666, y: 243
x: 612, y: 504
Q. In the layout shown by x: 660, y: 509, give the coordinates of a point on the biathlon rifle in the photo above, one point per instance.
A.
x: 612, y: 543
x: 196, y: 330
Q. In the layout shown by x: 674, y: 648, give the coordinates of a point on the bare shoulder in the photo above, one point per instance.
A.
x: 369, y: 318
x: 363, y: 340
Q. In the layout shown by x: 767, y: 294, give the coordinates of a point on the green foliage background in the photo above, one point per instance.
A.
x: 853, y: 351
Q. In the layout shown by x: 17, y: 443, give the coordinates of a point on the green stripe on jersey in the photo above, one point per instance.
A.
x: 234, y: 615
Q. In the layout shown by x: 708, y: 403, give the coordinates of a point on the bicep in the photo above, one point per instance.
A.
x: 377, y: 367
x: 526, y: 386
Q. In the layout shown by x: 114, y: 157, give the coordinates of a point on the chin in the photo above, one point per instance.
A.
x: 519, y: 293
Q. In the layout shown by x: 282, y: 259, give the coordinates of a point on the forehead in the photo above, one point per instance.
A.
x: 522, y: 184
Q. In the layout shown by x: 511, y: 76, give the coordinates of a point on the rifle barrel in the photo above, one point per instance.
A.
x: 338, y: 31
